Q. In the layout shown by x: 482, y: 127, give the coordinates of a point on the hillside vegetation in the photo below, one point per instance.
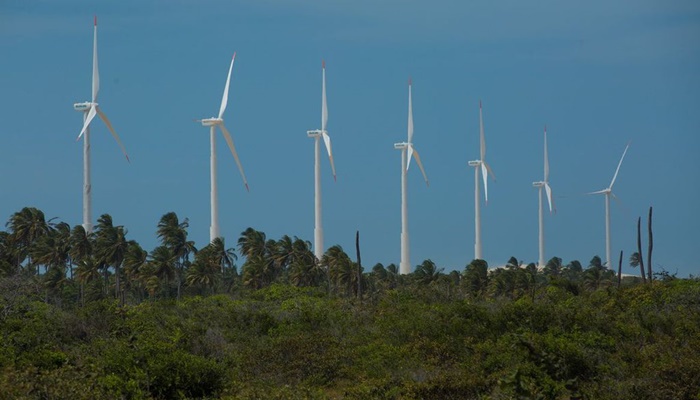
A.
x: 93, y: 316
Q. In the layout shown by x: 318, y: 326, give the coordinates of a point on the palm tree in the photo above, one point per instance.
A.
x: 475, y: 277
x: 340, y: 268
x: 173, y: 234
x: 553, y: 267
x: 134, y: 261
x: 7, y: 256
x: 162, y: 264
x: 27, y: 225
x: 87, y: 270
x: 259, y: 268
x: 111, y: 246
x: 427, y: 272
x: 206, y: 268
x: 636, y: 261
x: 223, y: 257
x: 51, y: 250
x: 597, y: 274
x: 573, y: 271
x: 304, y: 268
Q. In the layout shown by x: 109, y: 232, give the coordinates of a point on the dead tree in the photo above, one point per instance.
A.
x: 639, y: 248
x: 619, y: 271
x: 651, y: 247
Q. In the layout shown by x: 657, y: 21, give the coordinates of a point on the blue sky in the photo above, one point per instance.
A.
x: 597, y: 73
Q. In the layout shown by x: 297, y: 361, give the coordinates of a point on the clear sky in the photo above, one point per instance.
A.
x: 598, y: 73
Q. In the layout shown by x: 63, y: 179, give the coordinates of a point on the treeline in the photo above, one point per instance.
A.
x: 73, y: 266
x: 98, y: 317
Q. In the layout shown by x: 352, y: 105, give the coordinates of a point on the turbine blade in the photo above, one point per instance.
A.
x: 546, y: 159
x: 549, y: 196
x: 618, y: 166
x: 418, y: 161
x: 224, y: 98
x: 95, y: 71
x: 324, y: 106
x: 485, y: 175
x: 488, y: 168
x: 410, y: 116
x: 229, y: 140
x: 599, y: 192
x: 482, y: 140
x: 327, y: 141
x: 111, y: 130
x: 90, y: 116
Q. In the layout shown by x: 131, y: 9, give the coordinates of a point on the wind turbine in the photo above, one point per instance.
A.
x: 480, y: 165
x: 608, y: 192
x: 317, y: 134
x: 89, y: 110
x: 544, y: 184
x: 212, y: 123
x: 407, y: 151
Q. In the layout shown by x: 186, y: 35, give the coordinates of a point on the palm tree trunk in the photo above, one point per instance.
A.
x: 359, y: 265
x: 639, y: 249
x: 651, y: 246
x: 619, y: 271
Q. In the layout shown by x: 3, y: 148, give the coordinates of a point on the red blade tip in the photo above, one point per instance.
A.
x: 410, y: 81
x: 234, y: 56
x: 323, y: 63
x: 95, y: 20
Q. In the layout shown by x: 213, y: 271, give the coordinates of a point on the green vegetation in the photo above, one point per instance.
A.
x: 97, y: 317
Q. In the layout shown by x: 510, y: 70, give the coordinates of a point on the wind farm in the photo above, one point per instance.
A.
x: 150, y: 279
x: 273, y: 93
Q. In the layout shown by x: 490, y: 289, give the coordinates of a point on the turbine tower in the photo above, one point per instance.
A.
x: 212, y: 123
x: 480, y: 165
x: 89, y: 110
x: 407, y: 151
x: 544, y: 184
x: 317, y: 134
x: 608, y: 192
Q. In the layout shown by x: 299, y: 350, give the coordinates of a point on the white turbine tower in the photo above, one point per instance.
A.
x: 480, y: 165
x: 544, y: 184
x: 317, y: 134
x: 212, y: 123
x: 608, y: 192
x: 89, y: 110
x: 407, y: 151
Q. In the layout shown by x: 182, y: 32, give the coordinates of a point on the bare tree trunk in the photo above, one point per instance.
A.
x: 619, y: 271
x: 651, y: 246
x: 639, y: 249
x: 359, y: 265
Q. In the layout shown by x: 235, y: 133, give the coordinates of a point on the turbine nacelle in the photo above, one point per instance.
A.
x: 211, y: 121
x: 474, y: 163
x: 538, y: 184
x: 400, y: 146
x: 84, y: 106
x: 315, y: 133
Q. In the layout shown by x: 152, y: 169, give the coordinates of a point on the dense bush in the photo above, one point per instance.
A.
x: 286, y: 342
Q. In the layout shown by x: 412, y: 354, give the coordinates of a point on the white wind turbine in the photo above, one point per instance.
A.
x: 89, y: 110
x: 317, y: 134
x: 608, y: 192
x: 407, y: 151
x: 480, y: 165
x: 212, y: 123
x: 544, y: 184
